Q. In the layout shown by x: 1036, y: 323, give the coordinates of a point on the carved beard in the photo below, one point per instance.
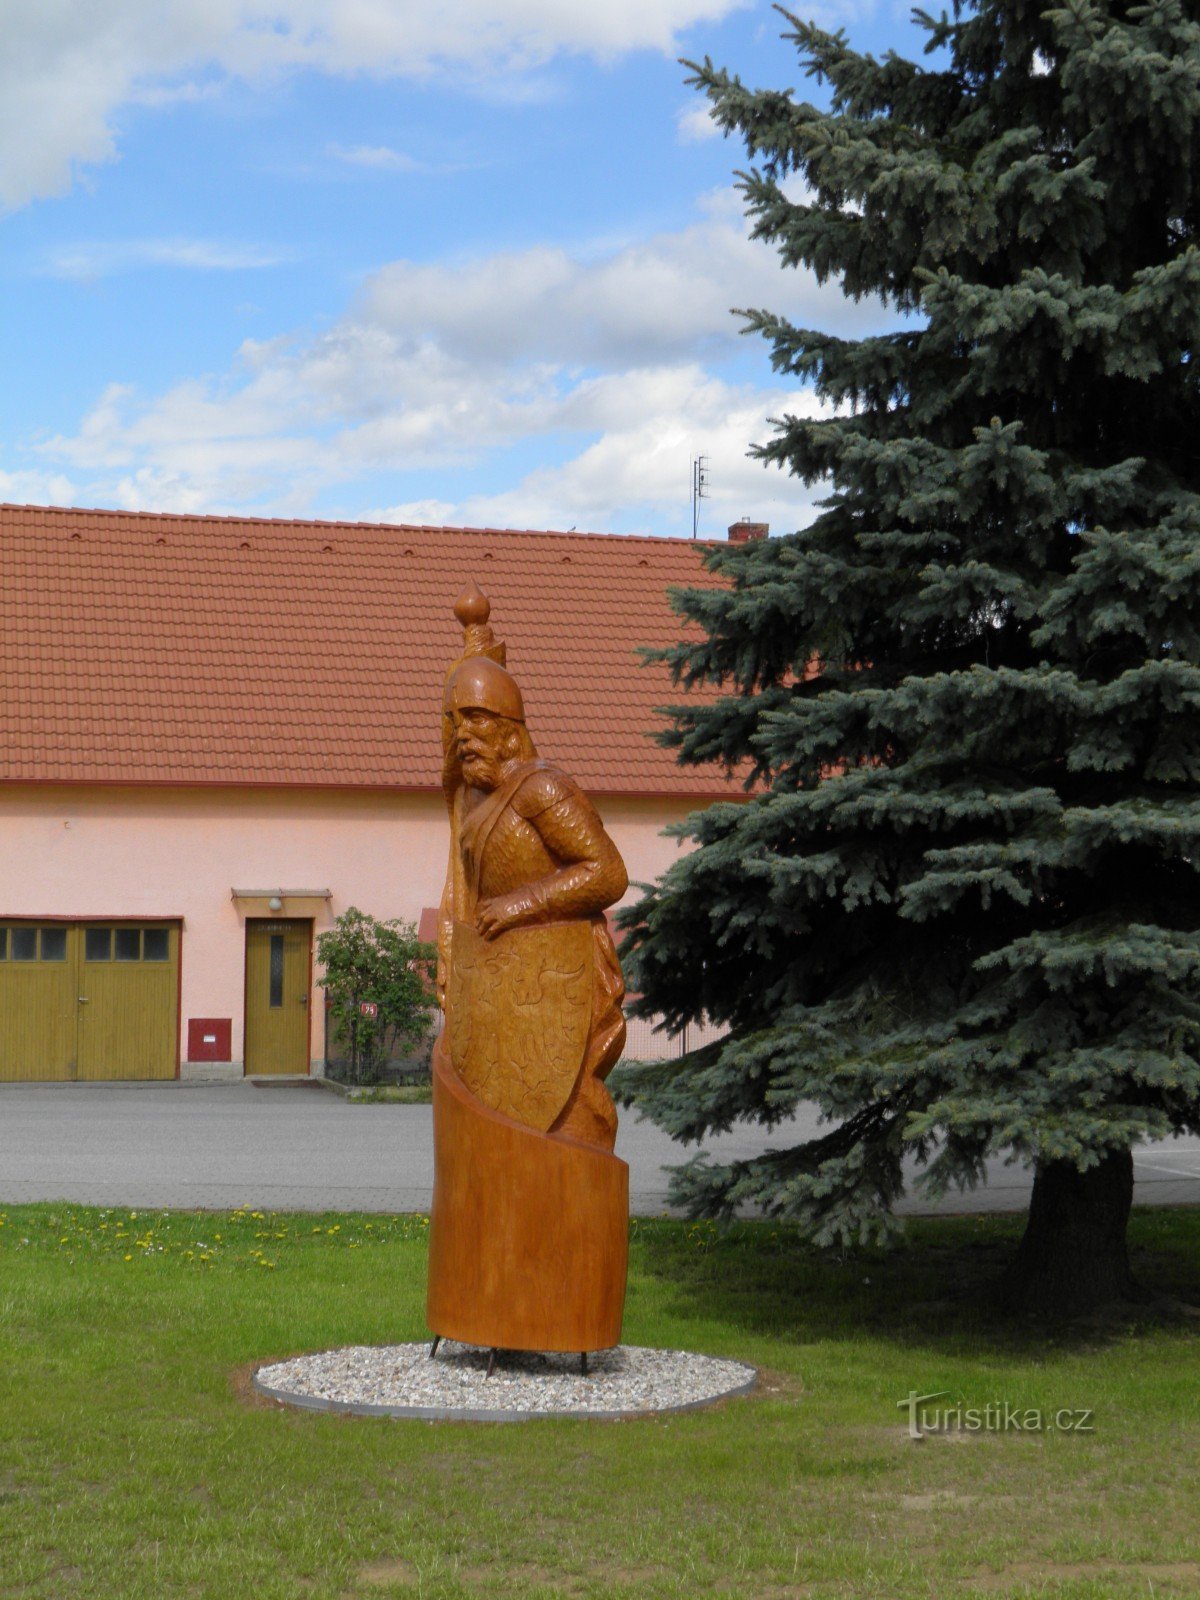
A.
x: 484, y: 753
x: 481, y: 768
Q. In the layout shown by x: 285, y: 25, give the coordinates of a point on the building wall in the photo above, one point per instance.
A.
x: 73, y: 852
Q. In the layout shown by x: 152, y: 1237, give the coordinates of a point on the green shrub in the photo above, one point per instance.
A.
x: 381, y: 963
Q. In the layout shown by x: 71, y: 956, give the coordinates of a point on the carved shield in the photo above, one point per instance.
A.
x: 519, y: 1014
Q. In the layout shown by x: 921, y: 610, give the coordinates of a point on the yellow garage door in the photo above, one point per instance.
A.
x: 88, y: 1001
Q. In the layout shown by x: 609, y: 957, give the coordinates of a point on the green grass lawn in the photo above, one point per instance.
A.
x: 136, y: 1461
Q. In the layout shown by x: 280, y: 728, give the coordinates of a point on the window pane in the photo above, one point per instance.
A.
x: 127, y: 944
x: 3, y: 944
x: 24, y: 944
x: 54, y: 944
x: 155, y: 944
x: 97, y: 944
x: 276, y: 969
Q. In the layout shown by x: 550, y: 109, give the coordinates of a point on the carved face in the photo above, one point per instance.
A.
x: 483, y: 742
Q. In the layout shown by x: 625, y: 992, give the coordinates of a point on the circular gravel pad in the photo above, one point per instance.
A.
x: 401, y: 1380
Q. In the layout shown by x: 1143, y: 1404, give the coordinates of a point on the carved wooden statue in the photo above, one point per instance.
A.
x: 528, y: 1235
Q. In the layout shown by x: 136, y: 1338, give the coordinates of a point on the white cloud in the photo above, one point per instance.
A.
x: 694, y: 123
x: 605, y: 365
x: 379, y: 157
x: 640, y: 467
x: 36, y: 489
x: 89, y: 260
x: 666, y: 297
x: 174, y: 94
x: 69, y: 65
x: 415, y: 513
x: 657, y: 422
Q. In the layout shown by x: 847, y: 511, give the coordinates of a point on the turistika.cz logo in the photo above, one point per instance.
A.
x: 997, y: 1416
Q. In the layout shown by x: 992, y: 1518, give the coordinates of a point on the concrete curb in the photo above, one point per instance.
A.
x: 334, y: 1087
x: 303, y: 1402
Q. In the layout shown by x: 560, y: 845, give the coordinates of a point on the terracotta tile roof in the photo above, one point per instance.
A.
x: 146, y: 648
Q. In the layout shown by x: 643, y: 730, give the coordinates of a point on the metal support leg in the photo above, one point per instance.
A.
x: 437, y: 1339
x: 583, y: 1363
x: 491, y: 1363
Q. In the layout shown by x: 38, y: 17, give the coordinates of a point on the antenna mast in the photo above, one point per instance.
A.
x: 699, y: 489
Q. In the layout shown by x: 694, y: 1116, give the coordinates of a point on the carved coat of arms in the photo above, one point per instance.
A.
x: 519, y: 1016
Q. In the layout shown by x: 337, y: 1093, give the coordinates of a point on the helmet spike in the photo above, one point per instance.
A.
x: 472, y: 608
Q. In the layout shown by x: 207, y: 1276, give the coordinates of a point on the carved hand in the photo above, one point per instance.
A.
x: 502, y: 911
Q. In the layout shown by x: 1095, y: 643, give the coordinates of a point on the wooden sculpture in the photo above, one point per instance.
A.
x: 528, y: 1236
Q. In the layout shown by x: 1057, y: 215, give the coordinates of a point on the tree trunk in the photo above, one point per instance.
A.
x: 1073, y: 1257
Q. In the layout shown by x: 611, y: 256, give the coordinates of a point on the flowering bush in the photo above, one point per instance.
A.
x: 377, y: 981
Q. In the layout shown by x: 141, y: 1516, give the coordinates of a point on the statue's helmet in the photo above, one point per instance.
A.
x: 481, y: 684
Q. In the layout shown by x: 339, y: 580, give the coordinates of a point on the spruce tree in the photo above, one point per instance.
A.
x: 961, y: 913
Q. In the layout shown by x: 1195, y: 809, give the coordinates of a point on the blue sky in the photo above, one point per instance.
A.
x: 469, y: 263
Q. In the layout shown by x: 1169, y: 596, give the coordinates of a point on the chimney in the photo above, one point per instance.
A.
x: 744, y: 530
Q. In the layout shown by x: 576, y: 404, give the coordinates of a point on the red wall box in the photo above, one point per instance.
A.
x: 210, y: 1039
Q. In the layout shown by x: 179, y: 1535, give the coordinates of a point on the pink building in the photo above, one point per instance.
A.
x: 220, y: 733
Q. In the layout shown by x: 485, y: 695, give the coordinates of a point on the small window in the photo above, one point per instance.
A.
x: 155, y: 944
x: 127, y: 944
x: 24, y: 944
x: 54, y: 944
x: 276, y: 970
x: 3, y: 944
x: 97, y: 944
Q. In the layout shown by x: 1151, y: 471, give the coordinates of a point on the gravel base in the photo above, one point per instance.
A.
x: 400, y: 1380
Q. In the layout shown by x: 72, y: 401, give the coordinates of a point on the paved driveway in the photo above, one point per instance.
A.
x: 305, y: 1148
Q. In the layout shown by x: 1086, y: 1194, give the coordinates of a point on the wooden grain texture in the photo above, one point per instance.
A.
x: 529, y: 1232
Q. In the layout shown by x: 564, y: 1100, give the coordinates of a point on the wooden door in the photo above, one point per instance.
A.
x: 86, y: 1002
x: 128, y: 990
x: 38, y: 1005
x: 278, y: 973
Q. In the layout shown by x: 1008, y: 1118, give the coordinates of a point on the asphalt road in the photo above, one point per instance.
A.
x: 305, y: 1148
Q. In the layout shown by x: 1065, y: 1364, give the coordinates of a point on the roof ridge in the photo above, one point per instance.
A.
x: 192, y: 517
